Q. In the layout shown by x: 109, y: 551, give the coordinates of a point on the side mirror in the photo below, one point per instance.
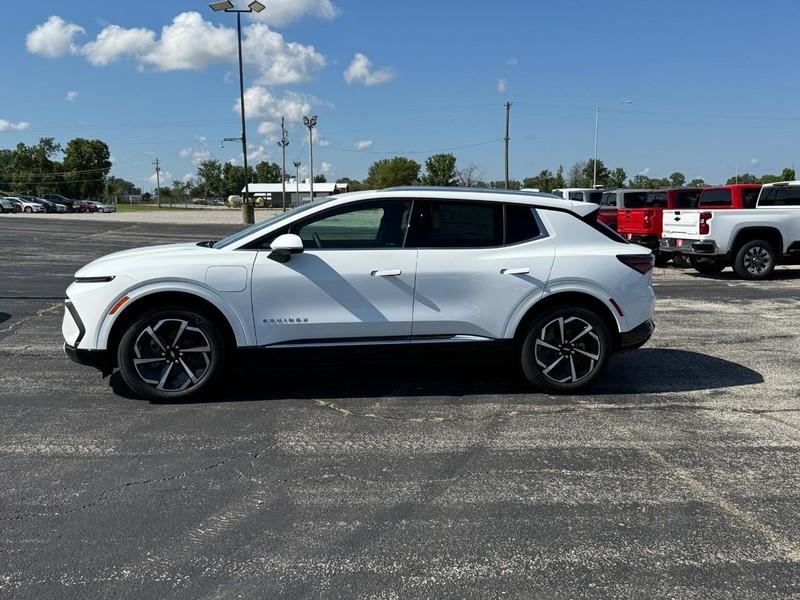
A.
x: 284, y: 246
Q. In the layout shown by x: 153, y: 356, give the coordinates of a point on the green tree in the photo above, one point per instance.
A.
x: 742, y: 178
x: 117, y: 187
x: 677, y: 179
x: 697, y: 182
x: 390, y: 172
x: 588, y: 173
x: 355, y: 184
x: 616, y: 178
x: 788, y: 174
x: 86, y: 164
x: 558, y: 180
x: 267, y: 172
x: 440, y: 170
x: 544, y: 181
x: 320, y: 178
x: 209, y: 172
x: 576, y: 176
x: 181, y: 187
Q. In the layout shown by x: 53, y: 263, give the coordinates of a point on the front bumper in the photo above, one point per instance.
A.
x: 689, y: 246
x: 99, y: 359
x: 636, y: 337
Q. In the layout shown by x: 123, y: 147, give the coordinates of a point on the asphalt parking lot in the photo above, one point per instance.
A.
x: 677, y: 477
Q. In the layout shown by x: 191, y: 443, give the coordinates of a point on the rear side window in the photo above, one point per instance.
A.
x: 687, y: 199
x: 656, y: 200
x: 453, y: 224
x: 595, y: 197
x: 750, y: 197
x: 521, y: 224
x: 782, y: 196
x: 608, y: 199
x: 715, y: 198
x: 634, y: 199
x: 576, y: 196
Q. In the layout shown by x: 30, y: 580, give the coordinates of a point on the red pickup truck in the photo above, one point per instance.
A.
x: 739, y: 195
x: 641, y: 219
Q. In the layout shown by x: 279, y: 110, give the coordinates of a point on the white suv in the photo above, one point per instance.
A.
x: 396, y: 266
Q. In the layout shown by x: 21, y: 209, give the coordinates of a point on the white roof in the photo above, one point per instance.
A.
x: 292, y: 187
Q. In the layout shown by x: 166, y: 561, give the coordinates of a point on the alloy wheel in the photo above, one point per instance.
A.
x: 757, y: 260
x: 172, y: 355
x: 567, y: 350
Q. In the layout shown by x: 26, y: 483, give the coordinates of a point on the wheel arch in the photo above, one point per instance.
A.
x: 766, y: 233
x: 200, y: 299
x: 557, y: 299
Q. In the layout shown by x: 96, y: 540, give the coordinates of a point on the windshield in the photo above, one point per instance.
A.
x: 232, y: 239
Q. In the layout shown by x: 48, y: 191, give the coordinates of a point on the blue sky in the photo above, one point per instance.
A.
x: 710, y: 88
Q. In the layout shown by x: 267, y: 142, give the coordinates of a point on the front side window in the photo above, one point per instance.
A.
x: 378, y: 224
x: 609, y: 199
x: 456, y: 224
x: 782, y: 196
x: 718, y: 197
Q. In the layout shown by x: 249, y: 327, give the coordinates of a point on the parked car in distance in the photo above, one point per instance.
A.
x: 752, y: 240
x: 613, y: 200
x: 641, y: 220
x: 7, y: 205
x: 400, y: 266
x: 70, y: 204
x: 101, y: 207
x: 580, y: 194
x: 28, y: 206
x: 50, y: 207
x: 738, y: 195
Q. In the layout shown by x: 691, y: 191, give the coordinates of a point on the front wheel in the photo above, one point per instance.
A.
x: 755, y: 260
x: 171, y: 354
x: 28, y: 209
x: 565, y: 349
x: 707, y: 266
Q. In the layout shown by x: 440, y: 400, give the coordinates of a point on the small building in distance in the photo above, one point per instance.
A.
x: 270, y: 195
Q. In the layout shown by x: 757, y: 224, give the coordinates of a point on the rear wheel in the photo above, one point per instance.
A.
x: 565, y: 349
x: 755, y: 260
x: 171, y: 353
x: 680, y: 261
x: 28, y: 209
x: 707, y: 266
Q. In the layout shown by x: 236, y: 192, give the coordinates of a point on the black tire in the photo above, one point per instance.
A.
x: 709, y: 266
x: 171, y: 365
x: 755, y: 260
x: 680, y: 261
x: 557, y: 342
x: 28, y: 209
x: 662, y: 259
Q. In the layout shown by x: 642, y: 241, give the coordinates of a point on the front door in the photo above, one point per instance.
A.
x: 354, y: 282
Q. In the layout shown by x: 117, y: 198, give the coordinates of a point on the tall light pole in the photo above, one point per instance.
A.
x: 297, y: 164
x: 508, y: 114
x: 283, y: 143
x: 248, y: 214
x: 596, y: 124
x: 311, y: 122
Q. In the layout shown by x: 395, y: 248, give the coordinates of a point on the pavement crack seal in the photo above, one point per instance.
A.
x: 788, y: 549
x: 544, y: 411
x: 44, y: 311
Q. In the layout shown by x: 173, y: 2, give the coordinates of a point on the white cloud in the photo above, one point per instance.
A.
x: 260, y: 103
x: 71, y: 96
x: 362, y: 144
x: 361, y: 71
x: 318, y: 139
x: 165, y: 176
x: 645, y: 172
x: 196, y: 153
x: 188, y: 177
x: 115, y: 41
x: 502, y: 86
x: 9, y: 126
x: 282, y: 12
x: 327, y: 169
x: 512, y: 61
x: 754, y: 162
x: 53, y: 38
x: 188, y: 43
x: 256, y: 153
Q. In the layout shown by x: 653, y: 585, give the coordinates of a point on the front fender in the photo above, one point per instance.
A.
x: 242, y: 327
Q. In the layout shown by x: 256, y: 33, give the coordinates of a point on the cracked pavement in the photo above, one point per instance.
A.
x: 427, y: 475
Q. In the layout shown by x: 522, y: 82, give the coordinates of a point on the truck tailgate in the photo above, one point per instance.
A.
x: 639, y: 221
x: 680, y: 223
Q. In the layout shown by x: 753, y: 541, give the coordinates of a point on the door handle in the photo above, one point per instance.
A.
x: 387, y: 273
x: 519, y: 271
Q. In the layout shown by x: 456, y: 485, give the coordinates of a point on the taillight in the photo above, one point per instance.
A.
x: 648, y: 219
x: 705, y: 217
x: 638, y: 262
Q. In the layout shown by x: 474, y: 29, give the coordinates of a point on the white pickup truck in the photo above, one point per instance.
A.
x: 752, y: 240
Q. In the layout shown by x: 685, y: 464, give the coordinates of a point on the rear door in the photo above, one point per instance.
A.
x: 477, y: 261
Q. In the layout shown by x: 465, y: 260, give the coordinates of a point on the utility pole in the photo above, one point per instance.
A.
x: 596, y: 122
x: 158, y: 181
x: 283, y: 143
x: 508, y: 116
x: 311, y: 122
x: 297, y: 164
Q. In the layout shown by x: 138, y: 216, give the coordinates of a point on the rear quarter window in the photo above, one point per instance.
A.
x: 687, y: 199
x: 608, y: 199
x: 715, y: 198
x: 634, y: 200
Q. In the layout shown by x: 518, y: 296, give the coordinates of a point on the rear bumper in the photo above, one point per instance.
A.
x: 636, y: 337
x: 689, y: 246
x: 648, y: 240
x: 99, y: 359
